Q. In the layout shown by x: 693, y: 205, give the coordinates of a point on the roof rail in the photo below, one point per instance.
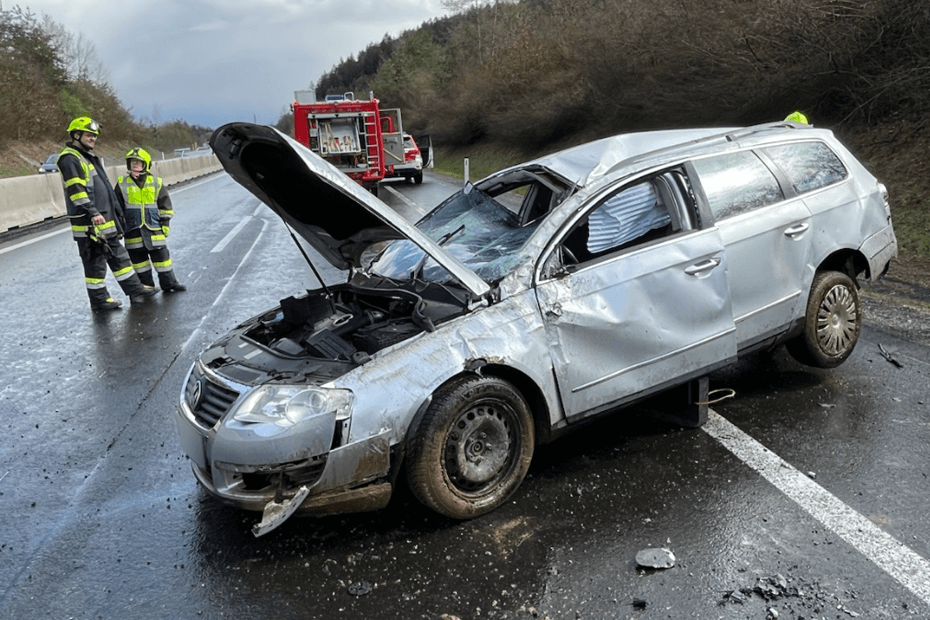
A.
x: 726, y: 135
x: 753, y: 129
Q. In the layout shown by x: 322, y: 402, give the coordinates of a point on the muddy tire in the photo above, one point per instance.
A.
x: 832, y: 322
x: 472, y: 448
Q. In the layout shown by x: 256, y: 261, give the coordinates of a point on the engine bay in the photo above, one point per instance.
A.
x: 348, y: 323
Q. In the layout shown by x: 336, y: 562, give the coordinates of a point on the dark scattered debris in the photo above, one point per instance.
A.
x: 777, y: 588
x: 639, y: 603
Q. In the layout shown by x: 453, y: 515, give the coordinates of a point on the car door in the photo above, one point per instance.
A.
x: 629, y: 316
x: 767, y: 239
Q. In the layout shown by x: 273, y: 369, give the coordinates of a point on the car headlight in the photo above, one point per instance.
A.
x: 287, y: 405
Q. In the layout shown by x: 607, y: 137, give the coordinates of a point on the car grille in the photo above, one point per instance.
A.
x: 214, y: 399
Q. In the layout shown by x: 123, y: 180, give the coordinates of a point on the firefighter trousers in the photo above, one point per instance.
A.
x: 96, y: 256
x: 142, y: 260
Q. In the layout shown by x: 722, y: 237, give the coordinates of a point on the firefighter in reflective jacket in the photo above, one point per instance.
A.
x: 147, y: 209
x: 93, y: 209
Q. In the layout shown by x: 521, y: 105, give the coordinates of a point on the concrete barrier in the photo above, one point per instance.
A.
x: 38, y: 197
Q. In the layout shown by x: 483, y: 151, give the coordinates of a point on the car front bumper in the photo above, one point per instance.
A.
x: 247, y: 471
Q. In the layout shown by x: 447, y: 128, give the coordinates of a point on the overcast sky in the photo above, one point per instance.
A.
x: 209, y: 62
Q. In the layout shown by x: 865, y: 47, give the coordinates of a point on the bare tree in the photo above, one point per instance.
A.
x: 78, y: 53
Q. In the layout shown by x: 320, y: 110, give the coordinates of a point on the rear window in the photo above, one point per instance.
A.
x: 808, y: 165
x: 736, y: 183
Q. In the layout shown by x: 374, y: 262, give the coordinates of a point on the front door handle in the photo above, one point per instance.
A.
x: 702, y: 267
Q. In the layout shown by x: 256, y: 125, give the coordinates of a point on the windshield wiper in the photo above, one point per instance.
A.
x: 418, y: 269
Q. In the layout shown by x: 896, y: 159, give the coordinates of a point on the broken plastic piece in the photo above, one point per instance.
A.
x: 888, y: 356
x: 656, y: 558
x: 276, y: 513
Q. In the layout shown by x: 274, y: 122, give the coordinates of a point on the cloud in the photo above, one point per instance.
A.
x: 215, y: 25
x: 213, y: 61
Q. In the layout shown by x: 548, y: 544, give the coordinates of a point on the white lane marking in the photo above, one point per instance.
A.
x: 403, y: 198
x: 903, y: 565
x: 229, y: 236
x: 195, y: 334
x: 34, y: 240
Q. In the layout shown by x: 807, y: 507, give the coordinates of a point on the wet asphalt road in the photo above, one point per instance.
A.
x: 103, y: 519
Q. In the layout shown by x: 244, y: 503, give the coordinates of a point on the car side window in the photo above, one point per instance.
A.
x: 808, y: 165
x: 627, y: 215
x: 634, y: 214
x: 736, y: 183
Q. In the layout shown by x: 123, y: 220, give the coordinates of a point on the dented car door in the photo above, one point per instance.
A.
x: 643, y: 317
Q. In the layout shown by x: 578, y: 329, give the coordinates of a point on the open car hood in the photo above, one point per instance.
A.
x: 333, y: 213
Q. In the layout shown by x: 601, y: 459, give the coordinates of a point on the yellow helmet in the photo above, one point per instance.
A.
x: 140, y: 154
x: 797, y: 117
x: 84, y: 123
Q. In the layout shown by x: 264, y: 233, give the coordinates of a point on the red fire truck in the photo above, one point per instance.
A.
x: 355, y: 135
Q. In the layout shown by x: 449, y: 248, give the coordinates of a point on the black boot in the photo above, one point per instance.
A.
x: 144, y: 295
x: 107, y: 304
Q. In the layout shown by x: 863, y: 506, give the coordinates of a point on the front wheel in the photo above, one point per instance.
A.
x: 472, y: 447
x: 832, y: 322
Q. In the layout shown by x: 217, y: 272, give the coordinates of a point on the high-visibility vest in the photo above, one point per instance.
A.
x: 141, y: 202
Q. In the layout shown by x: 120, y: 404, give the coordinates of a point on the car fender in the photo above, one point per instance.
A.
x: 409, y: 373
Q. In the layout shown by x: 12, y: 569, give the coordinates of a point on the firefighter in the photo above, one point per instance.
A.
x: 93, y: 209
x: 147, y: 209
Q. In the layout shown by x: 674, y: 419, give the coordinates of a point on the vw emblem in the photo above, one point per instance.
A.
x: 196, y: 394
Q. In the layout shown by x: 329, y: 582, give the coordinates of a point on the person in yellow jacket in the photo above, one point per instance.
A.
x: 93, y: 209
x: 147, y: 211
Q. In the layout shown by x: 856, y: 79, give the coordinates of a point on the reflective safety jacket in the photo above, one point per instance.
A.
x: 145, y: 202
x: 87, y: 193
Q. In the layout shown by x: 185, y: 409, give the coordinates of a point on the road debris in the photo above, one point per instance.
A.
x: 655, y: 558
x: 359, y: 588
x: 778, y: 588
x: 888, y: 356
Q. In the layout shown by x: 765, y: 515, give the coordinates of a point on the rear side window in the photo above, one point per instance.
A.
x: 809, y: 165
x: 736, y: 183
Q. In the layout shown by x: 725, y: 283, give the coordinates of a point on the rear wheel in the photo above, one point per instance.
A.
x: 832, y: 322
x: 472, y: 448
x: 418, y: 178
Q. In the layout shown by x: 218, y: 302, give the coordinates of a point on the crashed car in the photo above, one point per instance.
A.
x: 538, y: 297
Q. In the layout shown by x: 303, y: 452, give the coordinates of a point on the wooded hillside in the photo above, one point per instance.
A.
x: 534, y: 73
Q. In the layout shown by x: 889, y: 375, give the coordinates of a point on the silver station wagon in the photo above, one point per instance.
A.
x: 538, y: 297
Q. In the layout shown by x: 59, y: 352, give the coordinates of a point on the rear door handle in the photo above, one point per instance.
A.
x: 797, y: 230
